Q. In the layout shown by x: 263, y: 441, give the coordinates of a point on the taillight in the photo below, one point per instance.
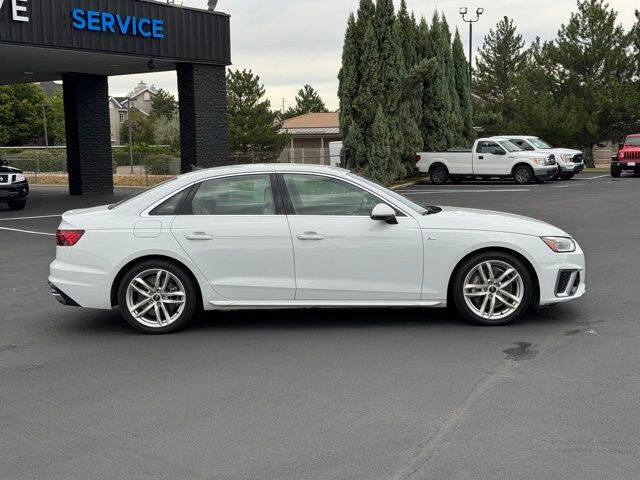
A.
x: 68, y: 238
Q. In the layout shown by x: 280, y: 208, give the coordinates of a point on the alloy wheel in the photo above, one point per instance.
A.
x: 156, y: 298
x: 493, y: 290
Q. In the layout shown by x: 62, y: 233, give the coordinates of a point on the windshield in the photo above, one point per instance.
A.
x: 633, y: 141
x: 541, y: 144
x: 128, y: 199
x: 509, y: 146
x: 396, y: 196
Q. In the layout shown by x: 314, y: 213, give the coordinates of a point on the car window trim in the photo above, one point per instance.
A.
x: 289, y: 203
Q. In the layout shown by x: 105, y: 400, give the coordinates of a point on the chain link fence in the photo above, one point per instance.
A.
x: 145, y: 169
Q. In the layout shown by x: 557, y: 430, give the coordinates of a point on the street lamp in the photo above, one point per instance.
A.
x: 471, y: 21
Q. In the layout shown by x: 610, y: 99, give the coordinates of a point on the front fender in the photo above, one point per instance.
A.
x: 444, y: 249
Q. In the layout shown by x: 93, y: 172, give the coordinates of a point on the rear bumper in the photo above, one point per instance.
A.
x: 85, y: 286
x: 13, y: 191
x: 543, y: 173
x: 62, y: 297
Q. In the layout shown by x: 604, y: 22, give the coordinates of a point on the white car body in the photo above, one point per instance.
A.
x: 477, y: 163
x: 569, y: 161
x: 251, y: 261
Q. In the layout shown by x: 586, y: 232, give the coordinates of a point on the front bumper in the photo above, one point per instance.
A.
x: 544, y: 173
x: 626, y: 165
x: 13, y: 191
x: 571, y: 168
x: 564, y: 280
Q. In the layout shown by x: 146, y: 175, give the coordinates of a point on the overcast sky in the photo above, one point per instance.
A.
x: 293, y: 42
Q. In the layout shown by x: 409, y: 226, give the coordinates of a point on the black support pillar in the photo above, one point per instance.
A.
x: 86, y: 110
x: 203, y: 115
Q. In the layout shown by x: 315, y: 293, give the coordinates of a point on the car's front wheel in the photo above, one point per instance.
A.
x: 157, y: 296
x: 615, y: 171
x: 523, y: 175
x: 492, y: 288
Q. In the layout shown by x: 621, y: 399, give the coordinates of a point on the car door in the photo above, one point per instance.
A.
x: 235, y: 230
x: 490, y: 159
x: 341, y: 254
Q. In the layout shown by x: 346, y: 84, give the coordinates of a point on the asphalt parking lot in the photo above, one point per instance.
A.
x: 370, y: 394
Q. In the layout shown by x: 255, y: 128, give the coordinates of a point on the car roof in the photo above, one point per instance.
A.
x: 262, y: 167
x: 520, y: 137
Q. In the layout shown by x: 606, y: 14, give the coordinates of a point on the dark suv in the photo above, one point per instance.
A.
x: 628, y: 157
x: 14, y: 187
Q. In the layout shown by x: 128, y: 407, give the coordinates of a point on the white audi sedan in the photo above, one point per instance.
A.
x: 294, y: 236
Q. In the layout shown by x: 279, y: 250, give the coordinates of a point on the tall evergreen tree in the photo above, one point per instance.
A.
x: 308, y: 100
x: 379, y: 150
x: 465, y: 134
x: 436, y: 101
x: 592, y: 75
x: 455, y: 116
x: 252, y: 126
x: 498, y: 74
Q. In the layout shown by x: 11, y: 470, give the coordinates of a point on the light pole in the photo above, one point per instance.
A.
x: 471, y: 21
x: 46, y: 133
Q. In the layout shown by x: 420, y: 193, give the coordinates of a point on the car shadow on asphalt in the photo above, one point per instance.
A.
x: 94, y: 322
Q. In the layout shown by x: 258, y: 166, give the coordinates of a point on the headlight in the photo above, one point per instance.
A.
x: 560, y: 244
x: 540, y: 160
x: 566, y: 158
x: 20, y: 177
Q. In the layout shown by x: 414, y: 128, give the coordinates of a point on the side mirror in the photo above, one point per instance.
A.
x: 499, y: 151
x: 384, y: 213
x: 621, y: 145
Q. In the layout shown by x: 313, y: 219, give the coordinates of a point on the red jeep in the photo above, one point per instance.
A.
x: 628, y: 157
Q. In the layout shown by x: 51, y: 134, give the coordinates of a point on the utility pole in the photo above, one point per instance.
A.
x: 130, y: 139
x: 471, y: 21
x: 46, y: 133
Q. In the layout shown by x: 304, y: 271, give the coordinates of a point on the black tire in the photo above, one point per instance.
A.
x: 523, y: 174
x: 439, y: 175
x: 567, y: 176
x: 557, y: 176
x: 17, y: 204
x: 616, y: 172
x: 501, y: 260
x: 190, y: 296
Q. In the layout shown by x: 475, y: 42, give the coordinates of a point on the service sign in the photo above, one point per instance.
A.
x: 97, y: 21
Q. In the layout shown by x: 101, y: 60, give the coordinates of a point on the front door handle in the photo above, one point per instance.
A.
x: 310, y: 236
x: 198, y: 236
x: 481, y: 157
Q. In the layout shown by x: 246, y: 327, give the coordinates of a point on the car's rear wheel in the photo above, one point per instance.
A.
x: 17, y: 204
x: 157, y: 296
x: 523, y: 175
x: 492, y: 288
x: 439, y: 175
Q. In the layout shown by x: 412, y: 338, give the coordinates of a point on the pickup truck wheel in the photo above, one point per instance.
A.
x: 616, y: 171
x: 17, y: 205
x: 523, y: 175
x: 492, y: 288
x: 439, y: 175
x: 567, y: 176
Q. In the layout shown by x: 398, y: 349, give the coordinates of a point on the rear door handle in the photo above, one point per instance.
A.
x: 198, y: 236
x: 310, y: 236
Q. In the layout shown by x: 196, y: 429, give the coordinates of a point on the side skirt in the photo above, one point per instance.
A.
x: 286, y: 304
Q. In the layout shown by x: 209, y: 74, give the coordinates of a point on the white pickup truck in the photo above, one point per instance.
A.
x: 570, y: 162
x: 490, y: 157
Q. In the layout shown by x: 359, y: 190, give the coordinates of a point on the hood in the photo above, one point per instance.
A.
x: 529, y: 154
x: 457, y: 218
x: 562, y: 151
x: 7, y: 169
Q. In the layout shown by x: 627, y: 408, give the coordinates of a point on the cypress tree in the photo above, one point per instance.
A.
x: 455, y: 116
x: 466, y: 133
x: 436, y: 101
x: 410, y: 109
x: 379, y: 152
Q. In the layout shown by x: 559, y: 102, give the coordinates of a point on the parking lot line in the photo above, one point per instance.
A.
x: 592, y: 178
x: 28, y: 218
x: 420, y: 192
x: 26, y: 231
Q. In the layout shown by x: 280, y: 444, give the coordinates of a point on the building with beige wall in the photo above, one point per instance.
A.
x: 311, y: 134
